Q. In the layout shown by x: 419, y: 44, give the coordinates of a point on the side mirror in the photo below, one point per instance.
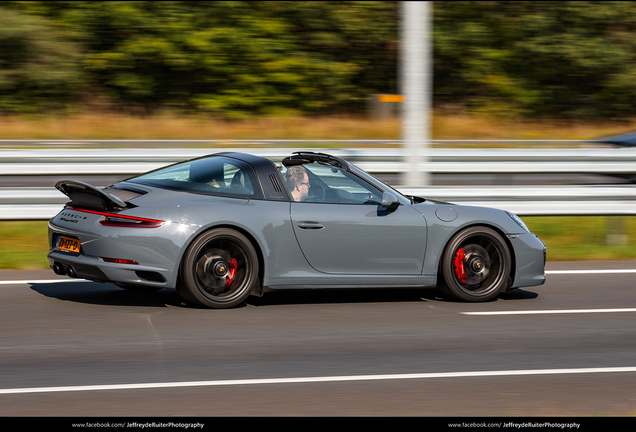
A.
x: 390, y: 201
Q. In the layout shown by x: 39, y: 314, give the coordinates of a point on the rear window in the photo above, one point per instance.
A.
x: 214, y: 175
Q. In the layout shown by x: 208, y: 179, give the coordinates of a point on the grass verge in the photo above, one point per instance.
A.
x: 24, y: 245
x: 167, y: 125
x: 586, y: 238
x: 577, y: 238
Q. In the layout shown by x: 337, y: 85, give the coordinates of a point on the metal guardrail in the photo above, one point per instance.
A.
x: 42, y: 203
x: 380, y: 160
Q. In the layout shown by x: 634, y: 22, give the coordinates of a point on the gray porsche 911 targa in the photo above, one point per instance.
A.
x: 227, y: 225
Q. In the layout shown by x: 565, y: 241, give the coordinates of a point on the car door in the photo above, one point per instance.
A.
x: 342, y: 228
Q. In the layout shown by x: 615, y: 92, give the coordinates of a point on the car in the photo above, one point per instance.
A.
x: 222, y: 227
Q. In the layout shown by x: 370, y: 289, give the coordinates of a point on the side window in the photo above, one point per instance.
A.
x: 221, y: 175
x: 214, y: 175
x: 331, y: 185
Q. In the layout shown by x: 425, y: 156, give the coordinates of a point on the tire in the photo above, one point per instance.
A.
x: 219, y: 269
x: 476, y: 265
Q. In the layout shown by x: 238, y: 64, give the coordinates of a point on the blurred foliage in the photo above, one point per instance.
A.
x: 235, y: 58
x: 38, y: 65
x: 537, y: 58
x: 556, y: 59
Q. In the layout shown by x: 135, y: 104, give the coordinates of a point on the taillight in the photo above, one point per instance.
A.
x: 120, y: 261
x: 119, y: 221
x: 116, y: 220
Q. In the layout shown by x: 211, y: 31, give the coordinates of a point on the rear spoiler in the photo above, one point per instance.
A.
x: 299, y: 158
x: 89, y: 197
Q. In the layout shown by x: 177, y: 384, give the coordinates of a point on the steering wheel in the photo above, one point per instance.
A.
x: 316, y: 193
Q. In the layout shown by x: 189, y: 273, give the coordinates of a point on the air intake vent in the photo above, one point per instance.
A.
x: 151, y: 276
x: 275, y: 183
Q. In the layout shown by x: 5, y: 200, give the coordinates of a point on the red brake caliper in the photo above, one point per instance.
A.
x: 459, y: 266
x: 231, y: 274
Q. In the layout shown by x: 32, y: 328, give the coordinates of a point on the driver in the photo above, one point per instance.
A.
x: 297, y: 182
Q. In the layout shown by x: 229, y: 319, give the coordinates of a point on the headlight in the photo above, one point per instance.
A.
x: 518, y: 220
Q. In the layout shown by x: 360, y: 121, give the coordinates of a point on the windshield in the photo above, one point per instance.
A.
x: 385, y: 187
x: 328, y: 183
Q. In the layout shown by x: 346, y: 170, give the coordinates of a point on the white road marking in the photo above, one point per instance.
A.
x: 529, y: 312
x: 303, y: 380
x: 610, y: 271
x: 43, y: 281
x: 354, y: 377
x: 556, y: 311
x: 547, y: 272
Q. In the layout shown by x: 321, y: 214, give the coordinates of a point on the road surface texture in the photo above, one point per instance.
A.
x: 78, y: 348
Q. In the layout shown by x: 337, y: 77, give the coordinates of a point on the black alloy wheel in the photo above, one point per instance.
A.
x: 219, y: 269
x: 476, y: 265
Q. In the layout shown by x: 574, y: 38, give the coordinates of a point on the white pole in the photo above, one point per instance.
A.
x: 416, y: 78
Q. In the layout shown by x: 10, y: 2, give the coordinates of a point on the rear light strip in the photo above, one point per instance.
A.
x: 120, y: 261
x: 116, y: 220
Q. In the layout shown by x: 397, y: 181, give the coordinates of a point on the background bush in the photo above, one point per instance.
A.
x: 238, y: 59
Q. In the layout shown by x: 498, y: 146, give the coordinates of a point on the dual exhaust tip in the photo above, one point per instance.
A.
x: 59, y: 269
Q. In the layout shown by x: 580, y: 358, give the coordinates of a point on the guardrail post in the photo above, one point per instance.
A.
x: 616, y: 231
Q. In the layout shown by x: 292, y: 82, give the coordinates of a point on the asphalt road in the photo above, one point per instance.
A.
x: 76, y: 348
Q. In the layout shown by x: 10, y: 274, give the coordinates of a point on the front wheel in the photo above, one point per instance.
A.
x: 219, y: 269
x: 476, y: 265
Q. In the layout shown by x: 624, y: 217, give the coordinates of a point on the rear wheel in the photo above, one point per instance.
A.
x: 476, y: 265
x: 219, y: 269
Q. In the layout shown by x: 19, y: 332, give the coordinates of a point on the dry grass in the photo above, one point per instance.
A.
x: 464, y: 126
x: 173, y: 126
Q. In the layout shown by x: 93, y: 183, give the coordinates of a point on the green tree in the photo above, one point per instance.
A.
x: 235, y: 58
x: 39, y: 66
x: 557, y: 59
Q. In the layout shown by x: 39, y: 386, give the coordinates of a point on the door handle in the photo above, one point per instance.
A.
x: 310, y: 225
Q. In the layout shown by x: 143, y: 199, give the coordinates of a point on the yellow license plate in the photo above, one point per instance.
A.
x: 68, y: 244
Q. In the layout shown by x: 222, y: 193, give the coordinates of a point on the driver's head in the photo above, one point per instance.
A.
x: 297, y: 182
